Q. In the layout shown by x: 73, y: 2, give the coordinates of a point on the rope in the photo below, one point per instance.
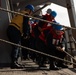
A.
x: 70, y: 55
x: 34, y: 18
x: 36, y: 51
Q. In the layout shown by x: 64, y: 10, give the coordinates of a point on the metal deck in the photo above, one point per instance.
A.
x: 32, y: 69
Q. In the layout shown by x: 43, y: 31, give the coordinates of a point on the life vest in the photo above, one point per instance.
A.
x: 55, y: 35
x: 17, y: 21
x: 48, y: 18
x: 56, y: 38
x: 32, y: 33
x: 42, y: 36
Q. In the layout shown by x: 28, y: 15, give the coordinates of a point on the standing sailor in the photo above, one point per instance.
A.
x: 19, y: 26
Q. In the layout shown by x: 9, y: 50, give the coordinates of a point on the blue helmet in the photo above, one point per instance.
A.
x: 57, y: 27
x: 31, y: 7
x: 53, y: 13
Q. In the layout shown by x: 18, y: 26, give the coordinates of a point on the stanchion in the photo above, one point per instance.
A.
x: 74, y: 60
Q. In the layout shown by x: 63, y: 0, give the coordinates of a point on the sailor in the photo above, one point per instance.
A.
x: 19, y: 27
x: 37, y: 30
x: 51, y: 42
x: 33, y: 39
x: 49, y: 17
x: 56, y: 46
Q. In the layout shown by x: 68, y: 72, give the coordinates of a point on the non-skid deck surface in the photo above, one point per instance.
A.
x: 32, y: 69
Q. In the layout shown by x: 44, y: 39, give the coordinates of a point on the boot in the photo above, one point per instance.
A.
x: 53, y: 66
x: 15, y: 65
x: 41, y: 62
x: 61, y: 64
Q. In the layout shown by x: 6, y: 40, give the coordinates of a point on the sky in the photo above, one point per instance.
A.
x: 62, y: 14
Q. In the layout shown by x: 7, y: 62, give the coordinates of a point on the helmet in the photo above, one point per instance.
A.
x: 58, y: 27
x: 53, y: 13
x: 31, y: 7
x: 36, y: 21
x: 49, y: 11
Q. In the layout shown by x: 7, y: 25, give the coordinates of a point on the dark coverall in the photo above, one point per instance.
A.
x: 18, y: 27
x: 46, y: 43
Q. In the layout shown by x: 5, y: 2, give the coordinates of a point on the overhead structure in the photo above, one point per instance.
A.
x: 39, y: 2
